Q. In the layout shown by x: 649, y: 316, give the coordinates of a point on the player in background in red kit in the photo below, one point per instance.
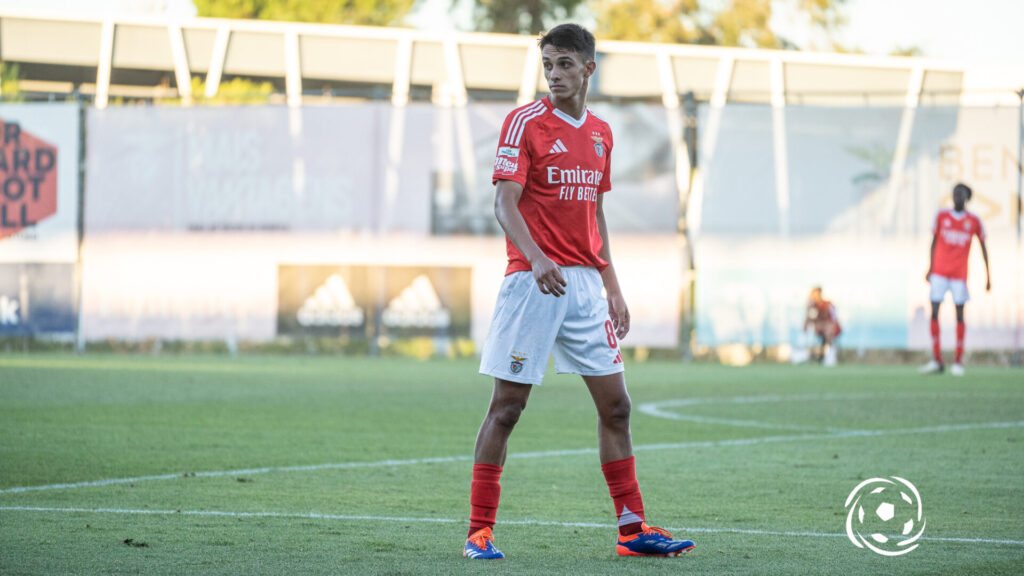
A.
x: 821, y: 315
x: 947, y: 271
x: 551, y: 171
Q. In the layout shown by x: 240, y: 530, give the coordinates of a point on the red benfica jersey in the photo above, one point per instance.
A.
x: 563, y: 164
x: 823, y: 311
x: 954, y: 232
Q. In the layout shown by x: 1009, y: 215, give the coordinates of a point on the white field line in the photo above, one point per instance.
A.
x: 657, y: 409
x: 524, y: 455
x: 355, y: 517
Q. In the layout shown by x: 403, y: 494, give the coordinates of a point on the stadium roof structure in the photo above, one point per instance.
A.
x: 157, y: 57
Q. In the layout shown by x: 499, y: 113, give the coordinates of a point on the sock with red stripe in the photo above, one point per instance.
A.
x: 936, y: 346
x: 961, y: 328
x: 625, y: 491
x: 484, y: 493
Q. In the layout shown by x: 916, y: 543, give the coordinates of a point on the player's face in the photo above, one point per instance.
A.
x: 565, y: 71
x: 959, y: 198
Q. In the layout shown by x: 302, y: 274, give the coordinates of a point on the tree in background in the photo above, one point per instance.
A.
x: 673, y: 22
x: 745, y: 23
x: 737, y: 23
x: 907, y: 51
x: 522, y: 16
x: 356, y: 12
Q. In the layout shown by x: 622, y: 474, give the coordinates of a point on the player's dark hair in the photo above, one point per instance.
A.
x: 570, y: 37
x: 967, y: 189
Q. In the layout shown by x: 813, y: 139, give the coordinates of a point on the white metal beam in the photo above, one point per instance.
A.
x: 710, y: 139
x: 667, y: 77
x: 216, y: 68
x: 403, y: 73
x: 106, y: 61
x: 674, y: 117
x: 718, y: 98
x: 899, y: 157
x: 182, y: 75
x: 780, y: 150
x: 455, y: 85
x: 292, y: 69
x: 528, y: 85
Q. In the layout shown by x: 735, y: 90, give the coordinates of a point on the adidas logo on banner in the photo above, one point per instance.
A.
x: 558, y: 148
x: 417, y: 307
x: 331, y: 305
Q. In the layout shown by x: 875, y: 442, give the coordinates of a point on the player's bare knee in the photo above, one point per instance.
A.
x: 506, y: 415
x: 616, y: 413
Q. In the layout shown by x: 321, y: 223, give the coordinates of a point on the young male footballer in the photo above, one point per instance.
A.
x: 552, y: 169
x: 947, y: 272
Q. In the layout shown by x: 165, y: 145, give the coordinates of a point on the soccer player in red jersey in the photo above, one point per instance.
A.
x: 552, y: 169
x: 947, y: 271
x: 821, y: 314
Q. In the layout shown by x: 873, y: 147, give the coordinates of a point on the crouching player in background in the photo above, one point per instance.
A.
x: 821, y: 316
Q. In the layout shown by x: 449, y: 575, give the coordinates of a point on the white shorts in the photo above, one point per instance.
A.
x: 940, y: 285
x: 528, y: 326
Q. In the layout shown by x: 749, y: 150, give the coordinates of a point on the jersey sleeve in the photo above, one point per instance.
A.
x: 512, y: 160
x: 606, y: 181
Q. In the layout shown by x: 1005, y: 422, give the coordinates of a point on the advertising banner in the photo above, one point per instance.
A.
x: 39, y: 202
x: 251, y: 168
x: 36, y: 298
x: 374, y: 301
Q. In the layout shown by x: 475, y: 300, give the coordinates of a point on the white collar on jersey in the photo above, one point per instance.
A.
x: 569, y: 119
x: 958, y: 215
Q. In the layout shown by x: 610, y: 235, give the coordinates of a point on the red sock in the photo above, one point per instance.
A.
x: 960, y: 329
x: 484, y: 492
x: 625, y: 492
x: 936, y: 347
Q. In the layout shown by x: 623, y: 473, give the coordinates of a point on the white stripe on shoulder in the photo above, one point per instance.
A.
x: 517, y: 119
x: 522, y: 125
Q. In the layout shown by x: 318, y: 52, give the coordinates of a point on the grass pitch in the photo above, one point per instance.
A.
x: 187, y: 465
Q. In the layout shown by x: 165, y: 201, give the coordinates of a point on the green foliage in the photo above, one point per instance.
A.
x: 756, y: 499
x: 522, y: 16
x: 912, y: 51
x: 10, y: 88
x: 355, y: 12
x: 745, y: 23
x: 234, y: 91
x: 673, y: 22
x: 736, y: 23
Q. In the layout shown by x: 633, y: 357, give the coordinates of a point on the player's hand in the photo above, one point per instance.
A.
x: 619, y: 314
x: 988, y: 284
x: 548, y: 276
x: 928, y: 276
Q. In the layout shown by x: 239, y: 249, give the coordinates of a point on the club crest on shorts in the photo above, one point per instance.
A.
x: 517, y: 364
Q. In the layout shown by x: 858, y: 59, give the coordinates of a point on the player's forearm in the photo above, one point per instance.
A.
x: 610, y: 280
x: 608, y: 275
x: 931, y: 254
